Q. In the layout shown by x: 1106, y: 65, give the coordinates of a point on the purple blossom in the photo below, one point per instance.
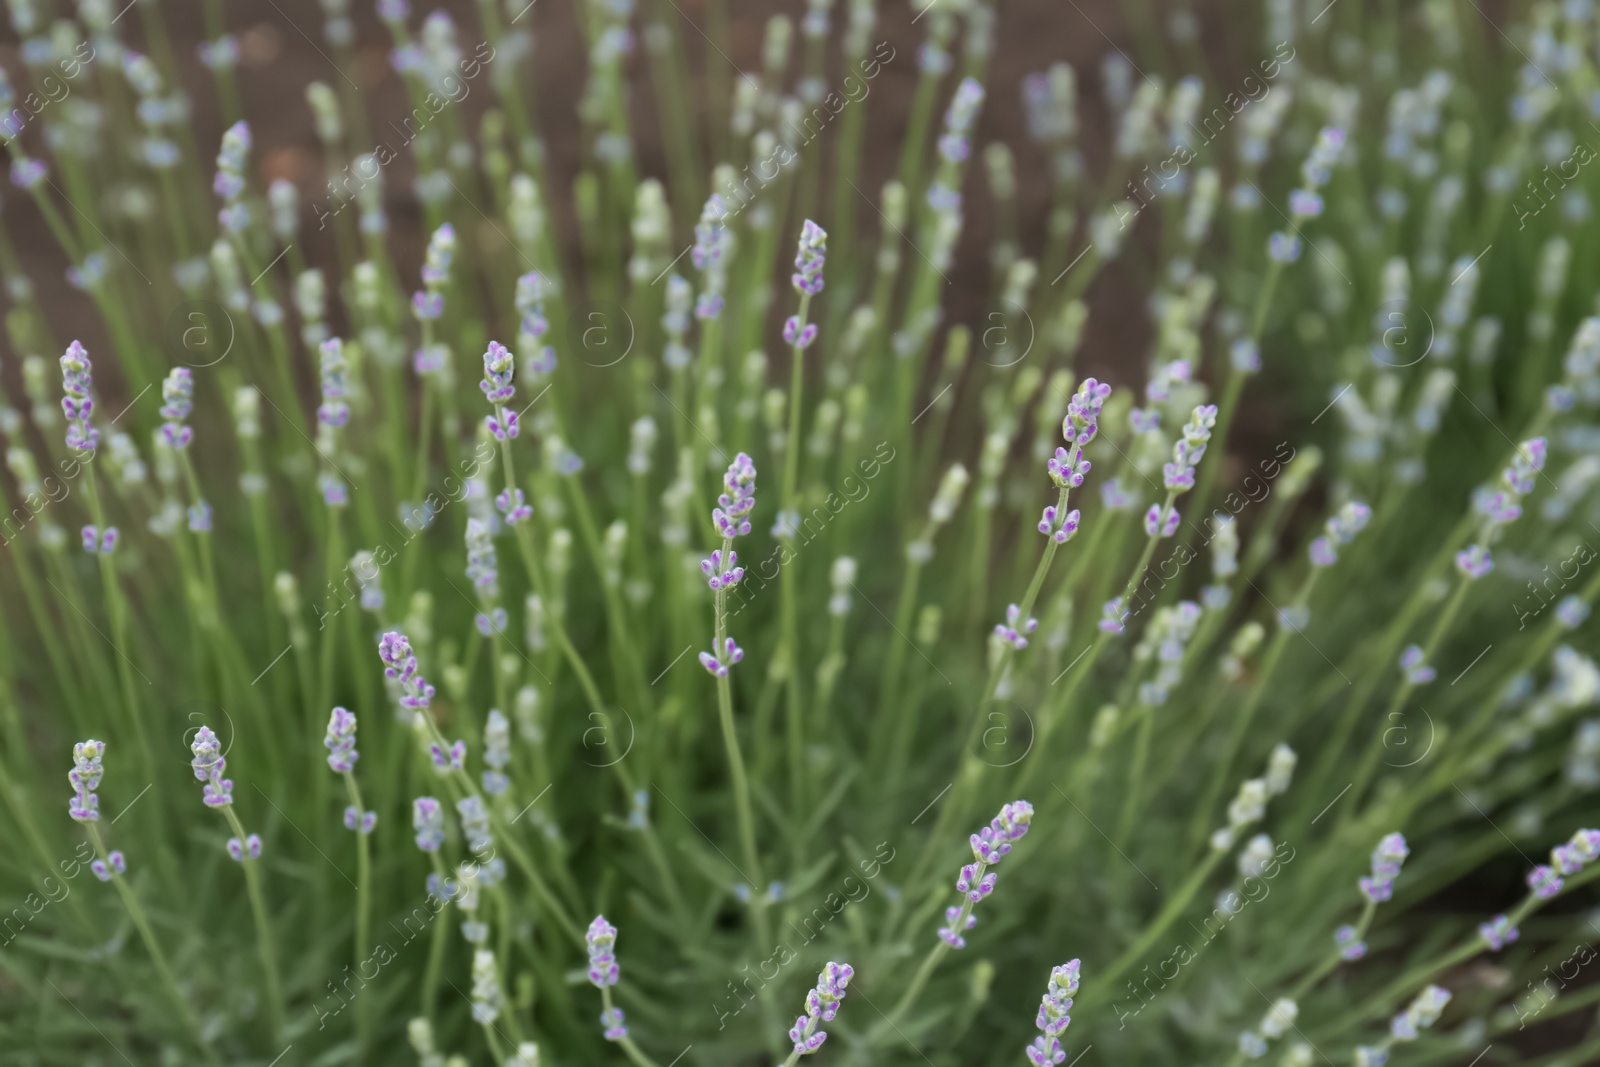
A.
x: 251, y: 845
x: 332, y: 365
x: 427, y: 306
x: 361, y: 822
x: 448, y: 759
x: 1305, y: 204
x: 797, y: 335
x: 1015, y: 628
x: 510, y: 503
x: 85, y: 779
x: 499, y: 367
x: 1416, y: 671
x: 1112, y: 616
x: 27, y: 173
x: 97, y: 542
x: 718, y: 664
x: 1386, y: 860
x: 721, y: 572
x: 1544, y: 881
x: 1498, y: 933
x: 1157, y: 526
x: 208, y: 765
x: 808, y: 264
x: 427, y: 819
x: 1474, y: 561
x: 601, y: 939
x: 77, y: 378
x: 1067, y: 469
x: 710, y: 234
x: 989, y: 846
x: 1053, y: 1019
x: 341, y: 741
x: 1322, y: 553
x: 1351, y: 947
x: 1067, y: 527
x: 1520, y: 476
x: 105, y: 872
x: 822, y: 1004
x: 738, y: 499
x: 1283, y: 247
x: 400, y: 664
x: 952, y: 918
x: 955, y: 143
x: 611, y: 1020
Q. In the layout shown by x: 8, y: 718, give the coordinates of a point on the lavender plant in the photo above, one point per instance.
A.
x: 1280, y: 655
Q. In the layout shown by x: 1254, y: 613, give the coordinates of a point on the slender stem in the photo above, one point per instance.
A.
x: 147, y: 935
x: 258, y: 908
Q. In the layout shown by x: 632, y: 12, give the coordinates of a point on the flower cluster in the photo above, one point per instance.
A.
x: 341, y: 741
x: 177, y: 400
x: 1053, y: 1018
x: 1015, y: 629
x: 1420, y: 1014
x: 77, y: 378
x: 499, y: 367
x: 427, y: 819
x: 807, y: 279
x: 97, y: 542
x: 712, y: 242
x: 1386, y: 860
x: 725, y: 657
x: 85, y: 778
x: 229, y: 183
x: 1169, y: 634
x: 496, y: 752
x: 1565, y: 860
x: 208, y: 765
x: 955, y: 145
x: 1498, y: 932
x: 427, y: 304
x: 989, y: 846
x: 1187, y: 451
x: 333, y: 411
x: 1412, y: 666
x: 722, y: 570
x: 822, y: 1004
x: 108, y: 868
x: 538, y: 358
x: 400, y: 664
x: 1274, y: 1024
x: 738, y: 499
x: 1341, y: 528
x: 601, y: 939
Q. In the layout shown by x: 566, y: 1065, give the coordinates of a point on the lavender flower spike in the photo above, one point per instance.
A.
x: 341, y: 740
x: 1014, y: 630
x: 85, y: 778
x: 400, y: 663
x: 209, y: 764
x: 1386, y: 860
x: 601, y: 939
x: 499, y: 367
x: 333, y: 410
x: 989, y: 846
x: 1498, y: 932
x: 427, y: 819
x: 822, y: 1004
x: 1053, y: 1018
x: 809, y: 260
x: 76, y: 380
x: 177, y: 392
x: 732, y: 516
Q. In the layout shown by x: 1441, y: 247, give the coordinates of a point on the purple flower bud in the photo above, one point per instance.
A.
x: 499, y: 367
x: 1544, y: 882
x: 511, y: 504
x: 85, y: 779
x: 718, y: 664
x: 1155, y: 526
x: 341, y: 740
x: 738, y: 500
x: 1112, y: 616
x: 808, y: 264
x: 1063, y: 532
x: 822, y: 1005
x: 106, y: 872
x: 208, y: 765
x: 451, y: 759
x: 612, y: 1021
x: 1498, y: 932
x: 400, y: 664
x: 1283, y: 247
x: 1474, y: 561
x: 796, y: 335
x: 1015, y: 628
x: 1322, y: 553
x: 251, y: 846
x: 1351, y: 947
x: 601, y: 939
x: 427, y: 819
x: 1416, y: 672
